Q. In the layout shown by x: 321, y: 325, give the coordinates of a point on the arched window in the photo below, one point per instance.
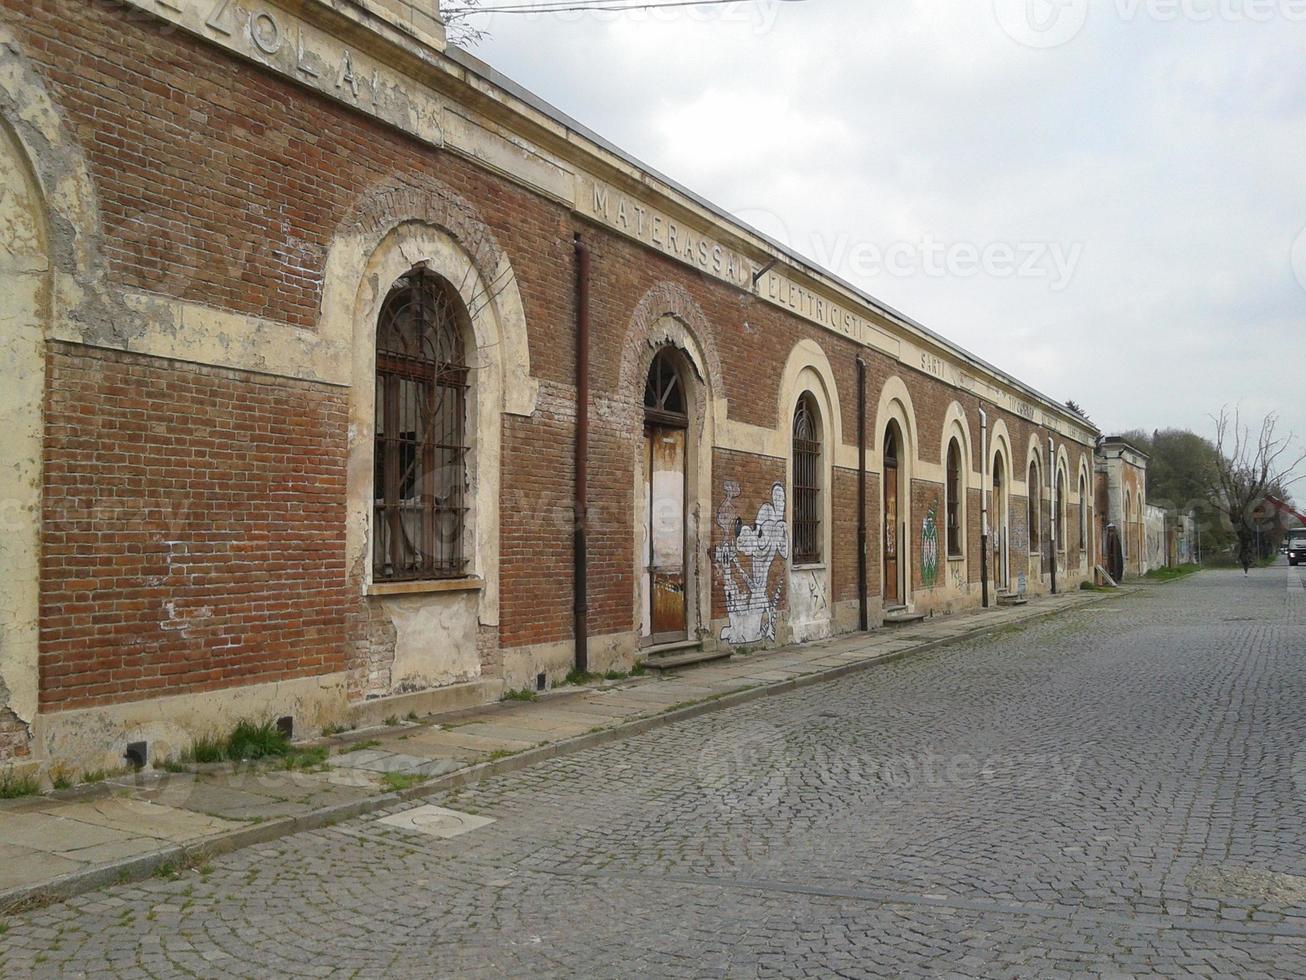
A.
x: 420, y: 476
x: 1129, y: 525
x: 1061, y: 510
x: 1032, y: 496
x: 953, y: 501
x: 1083, y: 513
x: 807, y: 482
x: 664, y: 391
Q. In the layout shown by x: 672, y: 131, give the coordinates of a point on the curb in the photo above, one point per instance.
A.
x: 145, y: 865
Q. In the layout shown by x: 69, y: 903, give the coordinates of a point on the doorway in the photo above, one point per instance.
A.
x: 1001, y: 576
x: 666, y: 431
x: 893, y: 591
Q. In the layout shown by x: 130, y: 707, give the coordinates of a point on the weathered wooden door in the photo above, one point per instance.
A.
x: 892, y: 590
x: 665, y: 468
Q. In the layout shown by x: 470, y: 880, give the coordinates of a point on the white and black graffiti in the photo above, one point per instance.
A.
x: 744, y: 560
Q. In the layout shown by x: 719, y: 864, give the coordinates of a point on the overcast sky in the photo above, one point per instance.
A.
x: 1107, y: 200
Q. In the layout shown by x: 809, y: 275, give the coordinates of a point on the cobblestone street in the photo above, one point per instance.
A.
x: 1118, y: 790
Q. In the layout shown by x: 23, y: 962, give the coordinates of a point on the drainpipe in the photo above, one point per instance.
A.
x: 580, y: 570
x: 1052, y: 496
x: 862, y: 611
x: 984, y: 508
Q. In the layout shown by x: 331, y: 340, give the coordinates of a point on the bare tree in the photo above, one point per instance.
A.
x: 457, y: 30
x: 1247, y: 470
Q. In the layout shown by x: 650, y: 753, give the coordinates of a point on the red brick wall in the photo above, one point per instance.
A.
x: 225, y: 186
x: 843, y: 569
x: 193, y: 528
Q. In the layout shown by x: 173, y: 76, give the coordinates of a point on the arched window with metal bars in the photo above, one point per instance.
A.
x: 1032, y: 498
x: 420, y: 478
x: 807, y: 481
x: 1083, y: 513
x: 1060, y: 517
x: 953, y: 505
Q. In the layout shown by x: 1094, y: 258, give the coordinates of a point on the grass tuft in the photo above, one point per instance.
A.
x: 367, y: 743
x: 397, y: 782
x: 250, y: 740
x: 1168, y: 574
x: 12, y: 786
x: 61, y: 777
x: 525, y: 694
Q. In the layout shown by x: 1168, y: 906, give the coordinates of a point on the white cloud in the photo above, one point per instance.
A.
x: 1170, y: 151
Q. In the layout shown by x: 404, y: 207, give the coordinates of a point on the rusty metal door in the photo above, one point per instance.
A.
x: 892, y: 592
x: 665, y: 469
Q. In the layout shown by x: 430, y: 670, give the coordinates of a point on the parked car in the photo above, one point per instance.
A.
x: 1297, y: 547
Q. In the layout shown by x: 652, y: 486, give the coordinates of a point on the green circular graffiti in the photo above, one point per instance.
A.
x: 930, y: 549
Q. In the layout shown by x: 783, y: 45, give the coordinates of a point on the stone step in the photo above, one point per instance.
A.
x: 899, y: 616
x: 471, y: 694
x: 686, y: 653
x: 1011, y: 599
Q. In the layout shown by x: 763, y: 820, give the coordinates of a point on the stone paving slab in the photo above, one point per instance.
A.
x: 146, y: 818
x: 136, y: 817
x: 20, y: 866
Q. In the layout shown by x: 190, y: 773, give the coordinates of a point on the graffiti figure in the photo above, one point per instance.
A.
x: 744, y: 559
x: 930, y: 549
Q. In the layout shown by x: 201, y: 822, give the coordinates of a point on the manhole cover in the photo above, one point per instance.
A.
x: 436, y: 821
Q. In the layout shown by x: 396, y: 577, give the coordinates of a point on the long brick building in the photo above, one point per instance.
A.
x: 300, y: 305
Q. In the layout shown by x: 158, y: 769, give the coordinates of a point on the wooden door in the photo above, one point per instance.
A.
x: 892, y: 584
x: 665, y: 455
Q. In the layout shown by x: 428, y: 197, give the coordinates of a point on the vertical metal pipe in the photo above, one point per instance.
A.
x: 862, y: 611
x: 984, y: 507
x: 580, y: 570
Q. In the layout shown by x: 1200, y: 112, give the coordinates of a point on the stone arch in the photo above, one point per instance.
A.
x: 53, y: 280
x: 1062, y: 498
x: 808, y: 369
x: 807, y: 373
x: 1000, y: 507
x: 667, y: 313
x: 667, y: 316
x: 1084, y: 487
x: 486, y: 279
x: 406, y: 661
x: 956, y: 426
x: 25, y: 282
x: 1034, y: 462
x: 895, y: 408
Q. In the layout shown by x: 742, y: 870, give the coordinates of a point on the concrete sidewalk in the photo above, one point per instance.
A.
x: 69, y: 842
